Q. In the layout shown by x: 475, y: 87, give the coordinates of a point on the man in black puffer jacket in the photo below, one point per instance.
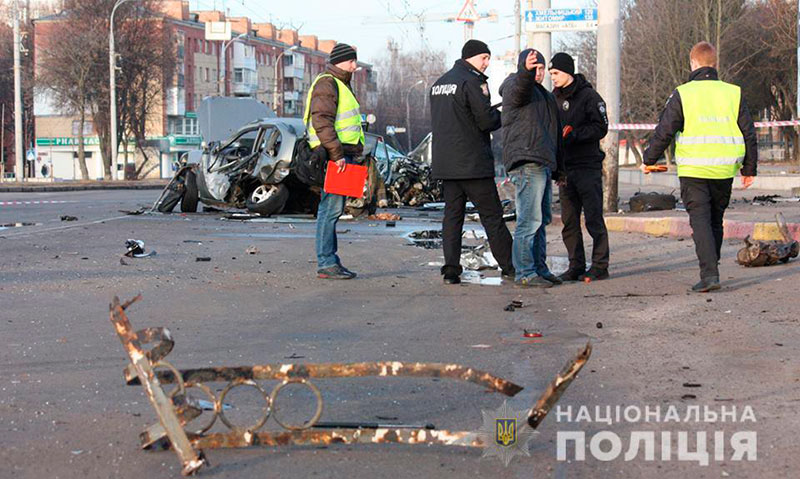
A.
x: 532, y: 154
x: 585, y: 122
x: 462, y: 118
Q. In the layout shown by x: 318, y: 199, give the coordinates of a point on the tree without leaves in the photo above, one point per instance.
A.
x: 146, y: 55
x: 397, y: 75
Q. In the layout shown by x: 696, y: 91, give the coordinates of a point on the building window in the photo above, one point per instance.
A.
x: 207, y: 78
x: 238, y: 75
x: 88, y: 127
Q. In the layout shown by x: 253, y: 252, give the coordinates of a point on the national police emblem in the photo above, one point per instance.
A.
x: 506, y: 433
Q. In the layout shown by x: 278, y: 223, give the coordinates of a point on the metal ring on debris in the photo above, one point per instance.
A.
x: 274, y: 396
x: 181, y: 389
x: 213, y: 399
x: 243, y: 382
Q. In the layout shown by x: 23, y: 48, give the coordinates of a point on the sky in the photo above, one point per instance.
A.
x: 375, y: 21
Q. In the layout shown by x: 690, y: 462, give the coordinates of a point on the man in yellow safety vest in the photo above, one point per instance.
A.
x: 333, y: 121
x: 715, y: 138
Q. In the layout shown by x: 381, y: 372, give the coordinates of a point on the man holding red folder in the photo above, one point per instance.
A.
x: 333, y: 121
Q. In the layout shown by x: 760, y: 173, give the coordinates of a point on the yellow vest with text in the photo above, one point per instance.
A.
x: 711, y: 144
x: 348, y: 118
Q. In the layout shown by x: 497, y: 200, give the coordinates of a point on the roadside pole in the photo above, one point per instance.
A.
x: 518, y: 29
x: 19, y: 166
x: 541, y: 41
x: 608, y: 85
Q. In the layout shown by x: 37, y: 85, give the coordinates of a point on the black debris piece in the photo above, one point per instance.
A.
x: 69, y: 218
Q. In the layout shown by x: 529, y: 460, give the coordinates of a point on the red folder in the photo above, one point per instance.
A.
x: 350, y: 182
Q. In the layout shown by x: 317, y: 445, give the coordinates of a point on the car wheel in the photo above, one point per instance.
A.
x: 268, y: 199
x: 189, y: 200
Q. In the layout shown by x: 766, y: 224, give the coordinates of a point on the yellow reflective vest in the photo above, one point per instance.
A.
x: 348, y: 117
x: 711, y: 144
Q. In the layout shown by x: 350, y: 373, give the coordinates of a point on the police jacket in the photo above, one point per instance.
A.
x: 462, y: 117
x: 531, y: 130
x: 582, y: 108
x: 671, y: 121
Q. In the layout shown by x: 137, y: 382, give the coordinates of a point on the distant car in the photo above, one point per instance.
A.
x: 252, y: 169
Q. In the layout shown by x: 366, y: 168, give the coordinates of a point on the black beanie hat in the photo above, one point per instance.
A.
x: 474, y: 47
x: 563, y: 62
x: 523, y: 55
x: 342, y: 52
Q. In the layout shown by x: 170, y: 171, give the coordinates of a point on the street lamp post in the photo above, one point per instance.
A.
x: 278, y: 81
x: 408, y: 113
x: 112, y: 87
x: 223, y: 70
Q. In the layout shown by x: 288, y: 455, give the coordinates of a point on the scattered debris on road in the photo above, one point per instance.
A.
x: 176, y: 408
x: 513, y: 305
x: 766, y: 253
x: 136, y: 249
x: 252, y: 250
x: 202, y: 259
x: 384, y: 217
x: 531, y: 333
x: 641, y: 202
x: 69, y: 218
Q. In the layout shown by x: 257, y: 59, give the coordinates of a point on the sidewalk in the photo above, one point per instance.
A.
x: 80, y: 185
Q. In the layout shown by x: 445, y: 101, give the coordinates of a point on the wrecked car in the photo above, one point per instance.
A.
x: 408, y: 176
x: 251, y: 167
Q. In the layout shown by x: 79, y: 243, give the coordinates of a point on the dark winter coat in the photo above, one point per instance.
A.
x: 324, y: 102
x: 582, y: 108
x: 462, y: 117
x: 671, y: 121
x: 531, y: 130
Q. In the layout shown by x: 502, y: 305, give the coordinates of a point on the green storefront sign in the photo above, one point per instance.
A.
x: 175, y: 140
x: 67, y: 141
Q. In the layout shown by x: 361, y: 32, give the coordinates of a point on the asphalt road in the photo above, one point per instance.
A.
x: 65, y: 411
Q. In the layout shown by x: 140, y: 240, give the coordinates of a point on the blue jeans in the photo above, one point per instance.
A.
x: 531, y: 181
x: 330, y: 209
x: 540, y: 242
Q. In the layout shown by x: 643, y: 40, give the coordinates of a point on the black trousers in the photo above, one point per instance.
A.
x: 706, y: 201
x: 584, y: 191
x: 483, y: 193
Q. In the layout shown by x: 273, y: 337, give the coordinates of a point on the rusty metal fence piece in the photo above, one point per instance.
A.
x: 176, y: 408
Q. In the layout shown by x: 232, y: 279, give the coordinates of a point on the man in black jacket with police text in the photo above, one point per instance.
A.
x: 462, y: 118
x: 585, y: 122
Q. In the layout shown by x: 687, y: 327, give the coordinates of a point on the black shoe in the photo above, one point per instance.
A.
x: 707, y: 284
x: 552, y: 278
x: 335, y: 272
x: 571, y: 275
x: 594, y: 274
x: 508, y: 274
x: 534, y: 282
x: 452, y: 279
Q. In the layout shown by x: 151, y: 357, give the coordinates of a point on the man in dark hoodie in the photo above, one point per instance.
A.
x: 532, y: 153
x: 462, y: 118
x: 585, y: 122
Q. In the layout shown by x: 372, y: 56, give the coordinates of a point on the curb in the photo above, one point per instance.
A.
x: 680, y: 227
x: 39, y: 188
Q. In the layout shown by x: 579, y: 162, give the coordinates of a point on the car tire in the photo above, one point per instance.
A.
x: 189, y: 200
x: 268, y: 200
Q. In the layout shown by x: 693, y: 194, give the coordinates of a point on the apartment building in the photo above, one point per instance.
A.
x: 271, y: 65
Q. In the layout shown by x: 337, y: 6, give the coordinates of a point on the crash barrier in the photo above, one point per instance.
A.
x: 176, y: 408
x: 651, y: 126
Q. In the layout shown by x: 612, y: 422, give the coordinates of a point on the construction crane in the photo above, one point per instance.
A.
x: 467, y: 15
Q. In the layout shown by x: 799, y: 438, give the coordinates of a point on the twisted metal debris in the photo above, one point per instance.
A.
x: 176, y: 408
